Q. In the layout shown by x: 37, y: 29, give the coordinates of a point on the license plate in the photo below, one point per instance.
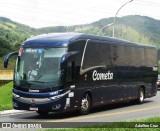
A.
x: 33, y: 108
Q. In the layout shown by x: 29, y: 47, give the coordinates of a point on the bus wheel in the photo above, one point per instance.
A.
x: 140, y: 99
x: 42, y: 112
x: 85, y: 105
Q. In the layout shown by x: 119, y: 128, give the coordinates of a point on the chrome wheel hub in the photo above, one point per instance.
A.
x: 141, y: 96
x: 84, y: 104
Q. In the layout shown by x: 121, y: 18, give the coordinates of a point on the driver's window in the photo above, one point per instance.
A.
x: 69, y: 73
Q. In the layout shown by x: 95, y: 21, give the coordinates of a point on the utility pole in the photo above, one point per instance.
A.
x: 104, y: 27
x: 116, y: 15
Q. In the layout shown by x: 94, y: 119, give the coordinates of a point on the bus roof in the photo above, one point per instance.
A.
x: 64, y: 39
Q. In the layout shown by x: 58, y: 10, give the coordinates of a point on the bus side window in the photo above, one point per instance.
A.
x: 70, y: 71
x: 115, y: 56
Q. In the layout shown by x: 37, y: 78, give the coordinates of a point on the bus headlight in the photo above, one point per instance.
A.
x: 55, y: 97
x: 15, y: 95
x: 59, y: 96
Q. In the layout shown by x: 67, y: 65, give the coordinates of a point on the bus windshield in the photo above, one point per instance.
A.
x: 38, y: 68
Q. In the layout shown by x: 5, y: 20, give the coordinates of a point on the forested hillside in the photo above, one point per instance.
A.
x: 12, y: 34
x: 140, y: 29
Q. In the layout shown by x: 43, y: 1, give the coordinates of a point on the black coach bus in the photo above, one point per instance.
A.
x: 74, y: 71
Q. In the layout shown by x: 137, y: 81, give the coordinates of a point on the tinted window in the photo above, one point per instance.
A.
x: 92, y: 55
x: 151, y: 57
x: 79, y: 47
x: 121, y: 56
x: 69, y: 72
x: 129, y: 56
x: 140, y: 57
x: 105, y: 54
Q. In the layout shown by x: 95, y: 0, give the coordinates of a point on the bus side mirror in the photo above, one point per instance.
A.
x: 7, y: 57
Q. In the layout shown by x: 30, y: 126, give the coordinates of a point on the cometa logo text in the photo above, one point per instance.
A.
x: 102, y: 76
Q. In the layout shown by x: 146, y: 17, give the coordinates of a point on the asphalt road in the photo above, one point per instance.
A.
x: 109, y: 113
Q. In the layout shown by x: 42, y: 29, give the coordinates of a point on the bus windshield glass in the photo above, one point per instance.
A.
x: 39, y: 68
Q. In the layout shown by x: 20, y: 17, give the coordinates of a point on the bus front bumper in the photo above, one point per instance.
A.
x: 51, y: 106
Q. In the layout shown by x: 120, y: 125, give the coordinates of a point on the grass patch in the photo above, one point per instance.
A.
x: 6, y: 96
x: 152, y: 119
x: 103, y: 129
x: 121, y: 126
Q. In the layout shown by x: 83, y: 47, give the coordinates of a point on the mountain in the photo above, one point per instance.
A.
x: 11, y: 34
x: 9, y: 27
x: 135, y: 28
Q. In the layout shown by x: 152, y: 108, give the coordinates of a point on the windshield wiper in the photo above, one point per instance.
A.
x: 36, y: 81
x: 39, y: 77
x: 42, y: 82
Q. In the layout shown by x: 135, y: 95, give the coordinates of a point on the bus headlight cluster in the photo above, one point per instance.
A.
x: 15, y: 95
x: 56, y: 97
x: 59, y: 96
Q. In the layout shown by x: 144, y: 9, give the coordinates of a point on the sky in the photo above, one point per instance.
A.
x: 43, y: 13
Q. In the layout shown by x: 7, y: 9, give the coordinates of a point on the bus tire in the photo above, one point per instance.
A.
x: 42, y: 112
x: 140, y: 98
x: 85, y: 105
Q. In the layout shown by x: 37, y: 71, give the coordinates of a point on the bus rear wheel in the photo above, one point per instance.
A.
x: 85, y: 105
x: 140, y: 98
x: 42, y: 112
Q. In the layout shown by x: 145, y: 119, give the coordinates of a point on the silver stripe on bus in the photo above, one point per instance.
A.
x: 81, y: 70
x: 41, y: 100
x: 93, y: 67
x: 37, y: 100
